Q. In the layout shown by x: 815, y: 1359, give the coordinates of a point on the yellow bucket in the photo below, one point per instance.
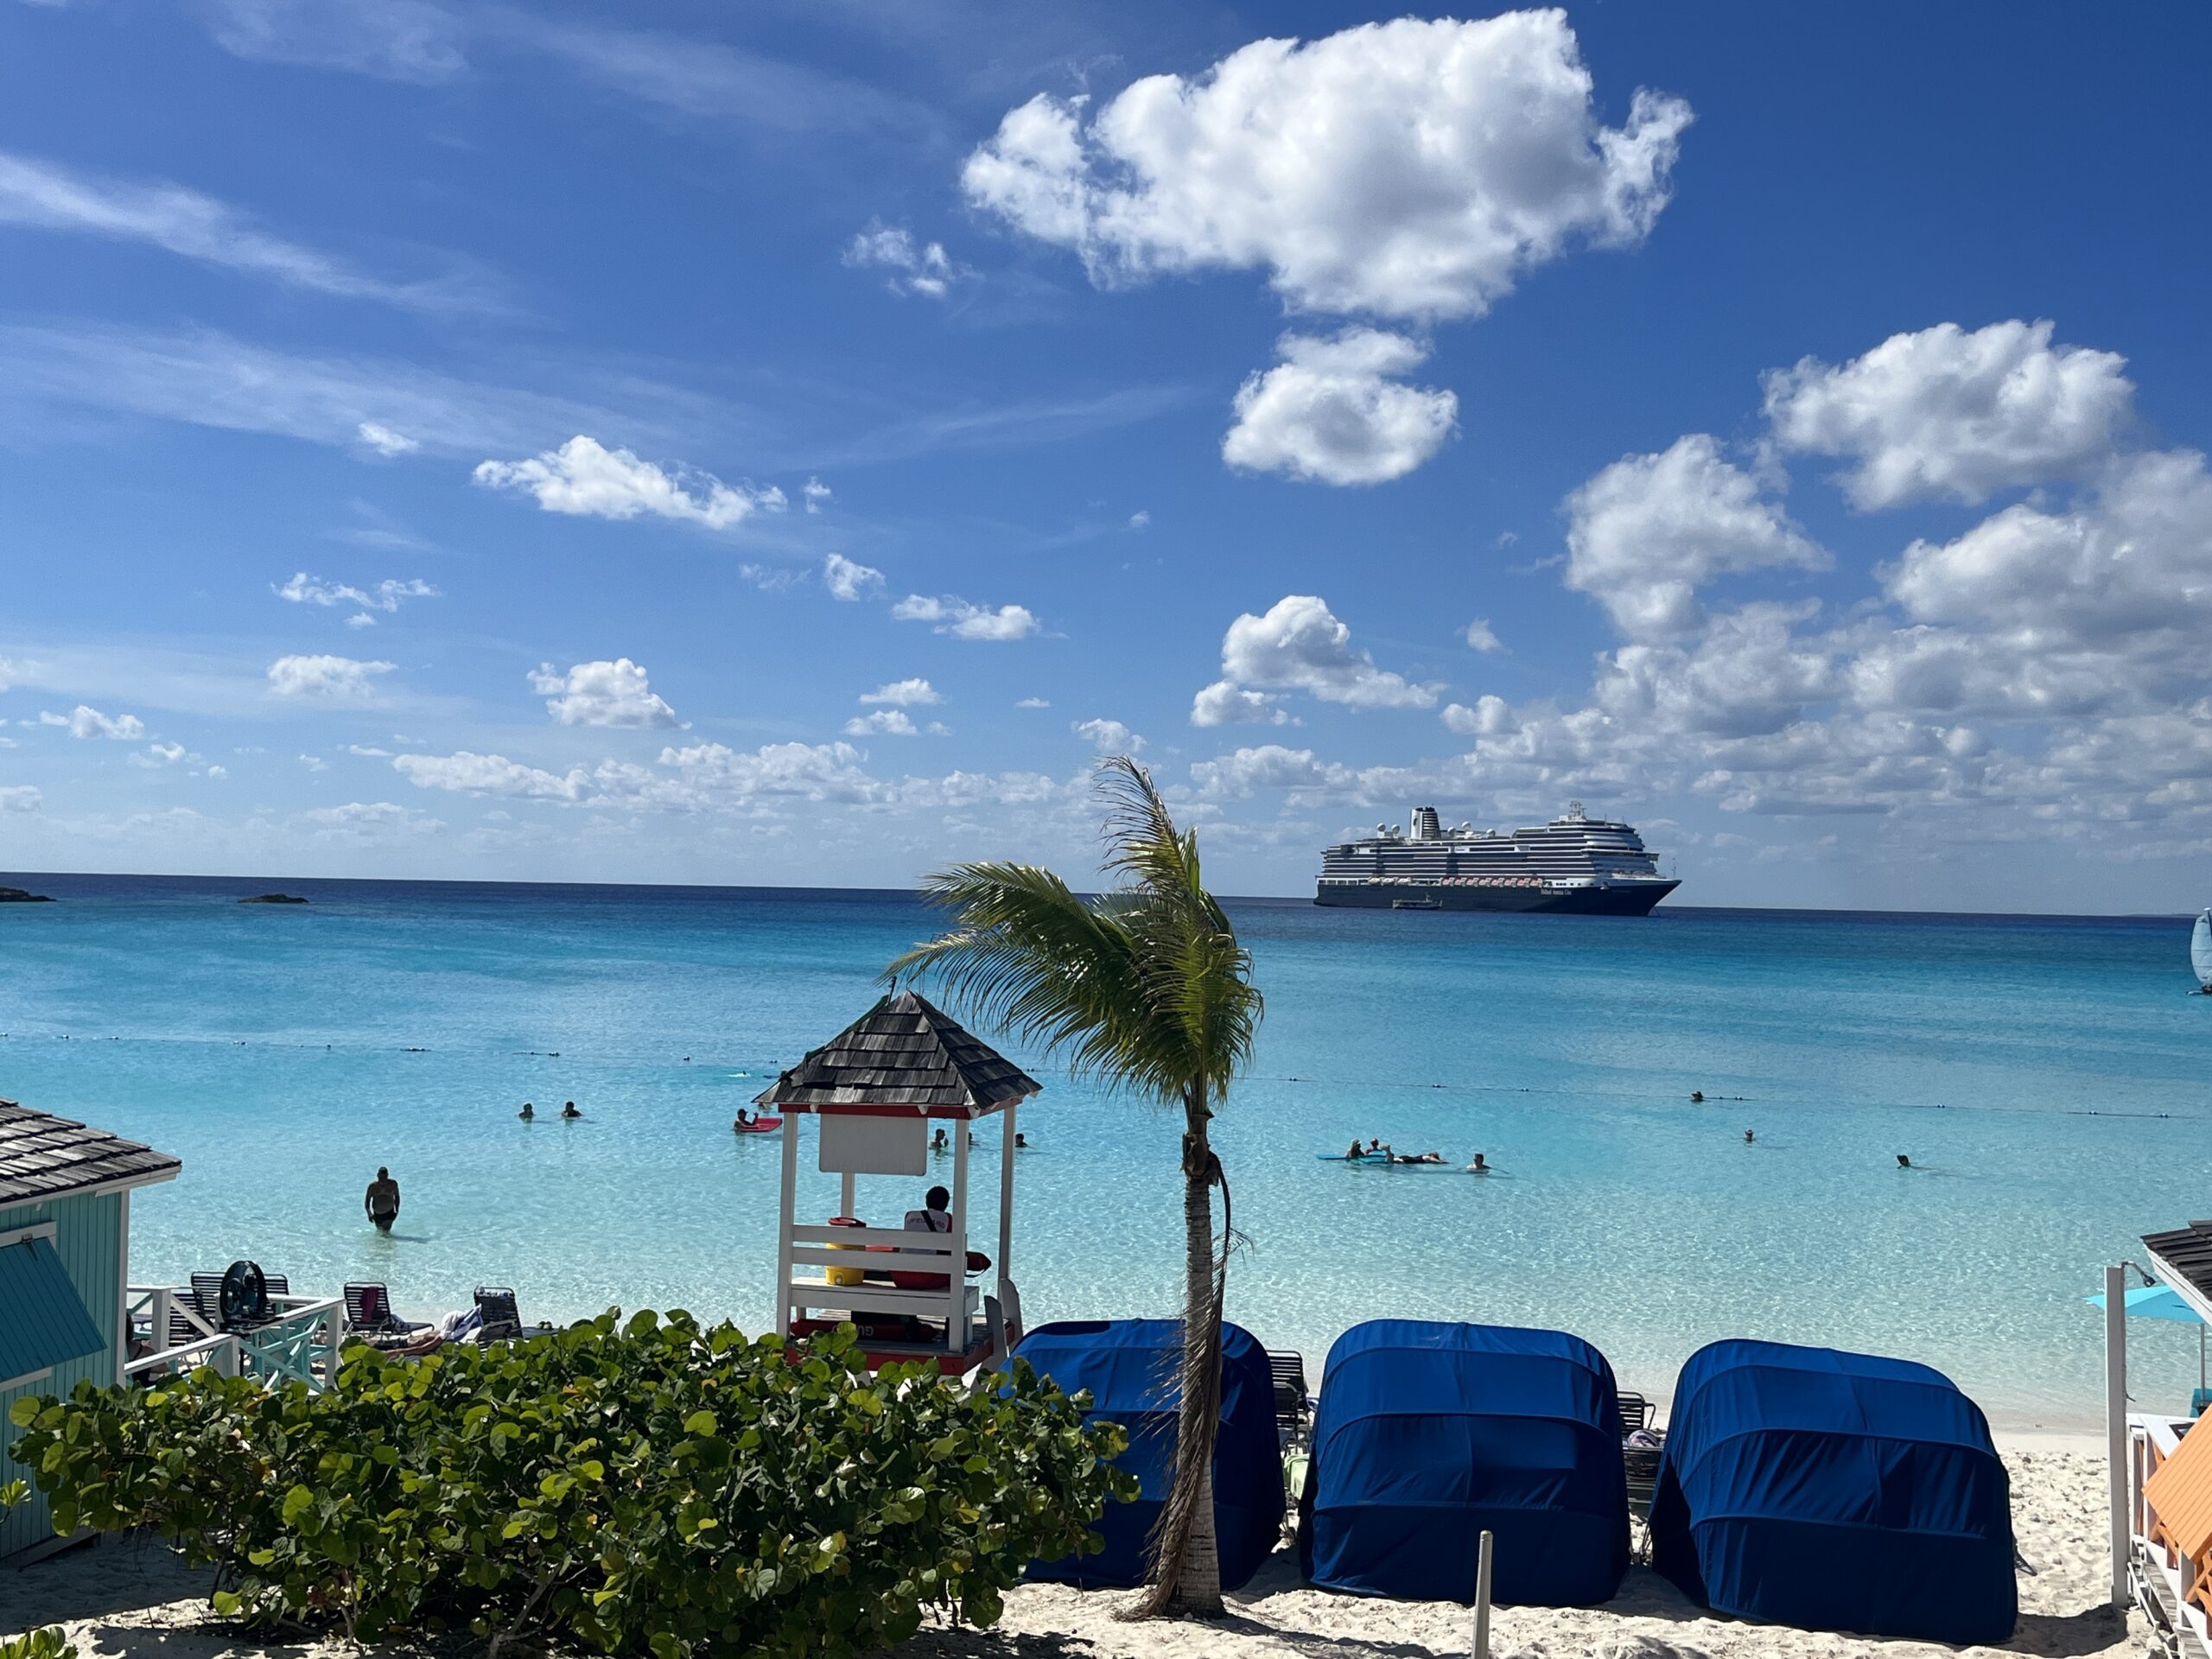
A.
x: 843, y: 1277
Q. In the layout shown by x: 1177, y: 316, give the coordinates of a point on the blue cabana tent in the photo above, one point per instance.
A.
x: 1834, y: 1491
x: 1129, y: 1366
x: 1426, y: 1434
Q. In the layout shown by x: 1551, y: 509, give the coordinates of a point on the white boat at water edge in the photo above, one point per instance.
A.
x: 2200, y: 951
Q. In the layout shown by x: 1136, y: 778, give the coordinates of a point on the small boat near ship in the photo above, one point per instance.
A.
x: 2200, y: 952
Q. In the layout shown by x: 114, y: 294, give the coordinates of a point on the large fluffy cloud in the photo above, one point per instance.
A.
x: 1948, y: 415
x: 1411, y: 169
x: 1332, y: 411
x: 1647, y: 532
x: 615, y: 693
x: 1298, y: 645
x: 586, y: 479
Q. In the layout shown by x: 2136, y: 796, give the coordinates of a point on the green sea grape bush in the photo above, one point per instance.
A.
x: 644, y: 1488
x: 48, y: 1644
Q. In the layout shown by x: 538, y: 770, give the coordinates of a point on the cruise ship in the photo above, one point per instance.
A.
x: 1575, y: 864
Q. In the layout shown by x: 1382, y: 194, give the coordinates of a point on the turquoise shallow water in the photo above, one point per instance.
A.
x: 2046, y: 1074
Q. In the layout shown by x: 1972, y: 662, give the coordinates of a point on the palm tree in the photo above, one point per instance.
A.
x: 1144, y: 988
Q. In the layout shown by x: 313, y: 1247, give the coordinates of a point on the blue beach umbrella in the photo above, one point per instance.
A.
x: 2161, y: 1302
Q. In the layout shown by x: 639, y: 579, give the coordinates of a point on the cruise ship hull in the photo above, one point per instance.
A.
x: 1624, y: 900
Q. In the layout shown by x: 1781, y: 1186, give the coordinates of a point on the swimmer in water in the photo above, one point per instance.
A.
x: 527, y: 1112
x: 1021, y: 1141
x: 1480, y: 1166
x: 1357, y: 1151
x: 1749, y: 1137
x: 1904, y: 1162
x: 1697, y: 1096
x: 743, y: 1121
x: 570, y: 1110
x: 938, y: 1142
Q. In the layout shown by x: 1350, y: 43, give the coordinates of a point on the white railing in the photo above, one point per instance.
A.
x: 2160, y: 1576
x: 300, y: 1344
x: 846, y: 1250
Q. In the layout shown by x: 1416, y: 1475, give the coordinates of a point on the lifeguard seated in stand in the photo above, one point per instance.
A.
x: 935, y: 1216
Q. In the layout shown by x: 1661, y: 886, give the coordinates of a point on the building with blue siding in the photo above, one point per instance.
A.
x: 65, y: 1252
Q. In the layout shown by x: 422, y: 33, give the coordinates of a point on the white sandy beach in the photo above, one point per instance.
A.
x: 125, y: 1599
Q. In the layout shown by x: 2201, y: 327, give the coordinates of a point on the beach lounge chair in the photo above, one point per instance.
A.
x: 1835, y: 1491
x: 1294, y: 1405
x: 502, y: 1319
x: 1640, y: 1453
x: 1426, y: 1435
x: 1129, y: 1366
x: 369, y: 1317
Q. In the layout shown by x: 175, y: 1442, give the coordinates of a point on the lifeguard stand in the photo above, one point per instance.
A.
x: 878, y: 1088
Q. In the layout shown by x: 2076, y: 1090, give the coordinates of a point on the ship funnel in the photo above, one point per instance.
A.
x: 1425, y: 826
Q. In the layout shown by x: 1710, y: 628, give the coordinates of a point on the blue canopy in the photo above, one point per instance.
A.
x: 1129, y: 1366
x: 1426, y: 1434
x: 1834, y: 1491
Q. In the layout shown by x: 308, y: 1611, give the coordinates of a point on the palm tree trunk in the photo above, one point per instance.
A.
x: 1187, y: 1571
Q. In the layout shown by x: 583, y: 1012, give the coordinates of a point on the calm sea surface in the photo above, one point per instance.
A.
x: 2048, y: 1077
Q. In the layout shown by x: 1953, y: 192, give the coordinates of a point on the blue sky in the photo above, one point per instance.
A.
x: 670, y: 444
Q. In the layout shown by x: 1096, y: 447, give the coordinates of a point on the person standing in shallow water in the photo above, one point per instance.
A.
x: 382, y: 1200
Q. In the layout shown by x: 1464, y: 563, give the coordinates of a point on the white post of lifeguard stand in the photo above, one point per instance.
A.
x: 877, y: 1090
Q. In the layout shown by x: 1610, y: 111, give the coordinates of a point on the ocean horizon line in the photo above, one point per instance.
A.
x: 273, y: 883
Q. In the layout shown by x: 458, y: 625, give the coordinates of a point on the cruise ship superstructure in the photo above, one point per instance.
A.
x: 1575, y: 864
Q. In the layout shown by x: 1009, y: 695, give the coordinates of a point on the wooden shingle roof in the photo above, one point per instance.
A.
x: 2188, y: 1251
x: 42, y: 1156
x: 903, y: 1052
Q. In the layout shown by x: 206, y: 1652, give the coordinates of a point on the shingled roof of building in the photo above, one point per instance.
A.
x: 42, y: 1156
x: 903, y: 1052
x: 2188, y: 1251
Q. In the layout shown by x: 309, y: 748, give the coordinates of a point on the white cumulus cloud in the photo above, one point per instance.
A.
x: 1644, y: 534
x: 1949, y: 415
x: 1481, y: 636
x: 903, y: 694
x: 20, y: 797
x: 467, y: 773
x: 848, y: 579
x: 600, y: 693
x: 1299, y: 645
x: 1332, y: 411
x: 586, y: 479
x: 909, y: 266
x: 387, y: 596
x: 326, y: 678
x: 85, y: 722
x: 1224, y: 704
x: 1270, y: 765
x: 1107, y: 736
x: 1411, y: 169
x: 889, y: 722
x: 964, y: 621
